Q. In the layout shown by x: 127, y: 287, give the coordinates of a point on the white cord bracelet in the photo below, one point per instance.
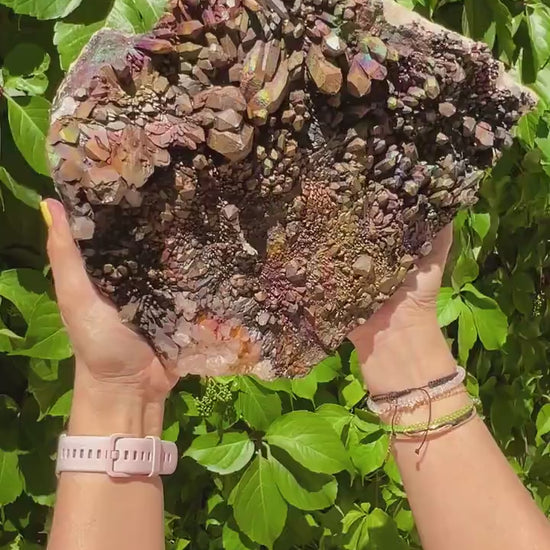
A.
x: 417, y: 396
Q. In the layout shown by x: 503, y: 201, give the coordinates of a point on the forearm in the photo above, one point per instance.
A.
x: 95, y: 511
x: 462, y: 491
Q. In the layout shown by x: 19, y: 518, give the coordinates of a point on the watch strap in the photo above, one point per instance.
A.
x: 118, y: 455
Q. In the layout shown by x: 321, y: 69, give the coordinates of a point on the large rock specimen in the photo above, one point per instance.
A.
x: 254, y: 178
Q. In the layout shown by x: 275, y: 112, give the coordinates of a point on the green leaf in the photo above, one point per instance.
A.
x: 541, y: 84
x: 366, y: 422
x: 337, y: 416
x: 523, y: 292
x: 539, y: 24
x: 504, y: 28
x: 150, y: 11
x: 490, y: 321
x: 233, y: 540
x: 310, y: 440
x: 24, y: 194
x: 11, y: 481
x: 355, y: 525
x: 467, y: 333
x: 38, y: 471
x: 404, y: 520
x: 9, y: 423
x: 353, y: 391
x: 305, y: 387
x: 186, y: 405
x: 24, y: 70
x: 255, y: 405
x: 383, y: 532
x: 502, y: 417
x: 62, y: 407
x: 543, y: 422
x: 23, y: 287
x: 46, y: 335
x: 368, y: 457
x: 49, y: 9
x: 259, y: 509
x: 51, y: 387
x: 466, y: 270
x: 301, y: 531
x: 328, y: 369
x: 523, y: 281
x: 224, y: 456
x: 350, y: 518
x: 130, y: 16
x: 448, y: 306
x: 7, y: 337
x: 171, y: 432
x: 320, y: 492
x: 279, y: 384
x: 392, y: 471
x: 478, y: 21
x: 488, y: 20
x: 480, y: 223
x: 528, y: 125
x: 29, y: 122
x: 355, y: 365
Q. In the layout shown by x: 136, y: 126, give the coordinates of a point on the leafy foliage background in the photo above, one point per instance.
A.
x: 288, y: 464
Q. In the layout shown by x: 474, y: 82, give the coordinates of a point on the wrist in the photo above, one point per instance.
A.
x: 406, y: 349
x: 103, y: 411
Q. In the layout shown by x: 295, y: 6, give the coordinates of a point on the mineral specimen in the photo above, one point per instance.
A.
x: 252, y: 178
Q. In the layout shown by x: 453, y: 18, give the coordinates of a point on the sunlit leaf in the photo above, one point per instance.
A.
x: 24, y: 70
x: 24, y: 194
x: 130, y: 16
x: 310, y: 440
x: 256, y: 406
x: 224, y: 455
x: 11, y: 482
x: 49, y: 9
x: 467, y: 333
x: 258, y: 507
x: 29, y: 120
x: 539, y: 23
x: 448, y: 306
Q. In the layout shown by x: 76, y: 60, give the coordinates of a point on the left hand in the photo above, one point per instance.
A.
x: 112, y: 361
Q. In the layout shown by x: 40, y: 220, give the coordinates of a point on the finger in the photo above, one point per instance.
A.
x: 441, y: 246
x: 75, y: 292
x: 428, y: 271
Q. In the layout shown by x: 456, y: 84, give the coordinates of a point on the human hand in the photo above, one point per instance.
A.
x: 118, y: 379
x: 393, y: 344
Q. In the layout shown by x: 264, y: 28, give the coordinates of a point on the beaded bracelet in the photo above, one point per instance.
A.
x: 411, y: 398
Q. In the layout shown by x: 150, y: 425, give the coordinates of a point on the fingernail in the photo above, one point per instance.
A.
x: 46, y: 214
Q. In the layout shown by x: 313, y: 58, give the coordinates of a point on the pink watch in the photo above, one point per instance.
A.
x: 118, y: 455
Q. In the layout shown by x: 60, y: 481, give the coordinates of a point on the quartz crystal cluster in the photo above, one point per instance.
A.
x: 253, y: 178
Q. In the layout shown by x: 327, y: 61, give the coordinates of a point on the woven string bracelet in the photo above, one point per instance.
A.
x: 412, y: 397
x: 424, y: 429
x: 447, y: 421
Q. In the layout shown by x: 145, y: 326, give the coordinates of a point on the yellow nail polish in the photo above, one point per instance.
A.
x: 46, y: 213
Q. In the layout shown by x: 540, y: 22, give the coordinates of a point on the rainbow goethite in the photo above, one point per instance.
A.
x: 250, y: 180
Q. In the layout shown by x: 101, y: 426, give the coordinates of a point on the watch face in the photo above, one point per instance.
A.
x: 251, y: 180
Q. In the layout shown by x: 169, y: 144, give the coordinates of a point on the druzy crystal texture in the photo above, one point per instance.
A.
x: 253, y: 178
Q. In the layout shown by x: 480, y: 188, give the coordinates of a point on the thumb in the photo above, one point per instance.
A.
x: 75, y: 292
x: 441, y: 246
x: 422, y: 283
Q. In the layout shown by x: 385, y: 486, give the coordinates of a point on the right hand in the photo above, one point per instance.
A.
x: 406, y: 323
